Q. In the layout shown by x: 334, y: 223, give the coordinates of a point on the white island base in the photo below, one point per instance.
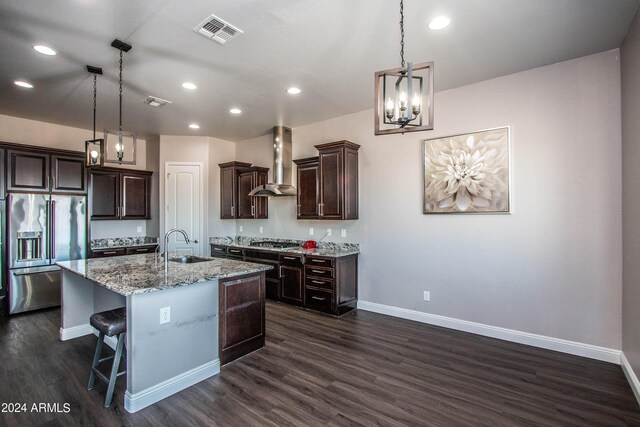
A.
x: 162, y: 359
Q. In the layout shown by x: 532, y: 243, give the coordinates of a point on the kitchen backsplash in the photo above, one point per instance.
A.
x: 246, y: 240
x: 122, y: 241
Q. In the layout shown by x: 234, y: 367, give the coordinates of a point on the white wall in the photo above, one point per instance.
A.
x: 32, y: 132
x: 209, y: 152
x: 551, y: 267
x: 630, y: 54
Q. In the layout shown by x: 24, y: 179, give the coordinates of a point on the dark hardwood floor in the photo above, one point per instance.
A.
x: 361, y: 369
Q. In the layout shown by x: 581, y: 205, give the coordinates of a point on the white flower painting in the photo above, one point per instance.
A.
x: 467, y: 173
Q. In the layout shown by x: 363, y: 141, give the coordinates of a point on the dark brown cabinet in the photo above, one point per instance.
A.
x: 68, y: 174
x: 331, y: 284
x: 292, y: 281
x: 308, y: 198
x: 44, y: 172
x: 241, y: 312
x: 328, y: 184
x: 229, y: 188
x: 251, y: 207
x: 3, y: 187
x: 272, y: 285
x: 237, y: 179
x: 119, y: 194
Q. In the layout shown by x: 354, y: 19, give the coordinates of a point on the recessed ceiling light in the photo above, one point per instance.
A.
x: 235, y: 111
x: 194, y: 126
x: 189, y: 85
x: 293, y: 90
x: 439, y: 23
x: 23, y: 84
x: 45, y: 50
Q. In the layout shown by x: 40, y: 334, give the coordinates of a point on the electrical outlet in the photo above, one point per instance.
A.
x: 139, y: 229
x: 165, y: 315
x: 241, y: 229
x: 261, y: 230
x: 328, y: 232
x: 427, y: 296
x: 310, y: 231
x: 343, y: 232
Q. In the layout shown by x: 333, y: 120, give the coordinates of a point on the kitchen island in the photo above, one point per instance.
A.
x: 180, y: 324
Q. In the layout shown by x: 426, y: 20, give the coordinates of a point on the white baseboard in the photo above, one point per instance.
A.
x: 631, y: 376
x: 75, y: 332
x: 133, y: 402
x: 550, y: 343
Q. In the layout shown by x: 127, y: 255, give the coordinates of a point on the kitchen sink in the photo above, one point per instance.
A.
x: 189, y: 259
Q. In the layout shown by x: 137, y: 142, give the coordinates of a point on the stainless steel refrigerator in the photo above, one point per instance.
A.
x: 42, y: 229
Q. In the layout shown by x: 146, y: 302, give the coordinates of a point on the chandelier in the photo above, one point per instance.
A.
x: 94, y: 148
x: 404, y: 96
x: 122, y: 47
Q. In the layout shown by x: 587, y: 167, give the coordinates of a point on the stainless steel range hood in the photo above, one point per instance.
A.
x: 282, y: 167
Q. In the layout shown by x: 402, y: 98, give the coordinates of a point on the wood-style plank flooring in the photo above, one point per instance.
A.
x: 361, y: 369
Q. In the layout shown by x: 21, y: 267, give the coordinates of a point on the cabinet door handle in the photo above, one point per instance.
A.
x: 298, y: 210
x: 141, y: 250
x: 218, y: 249
x: 233, y: 210
x: 318, y: 298
x: 118, y: 211
x: 280, y: 275
x: 253, y: 210
x: 317, y: 282
x: 109, y: 252
x: 317, y: 260
x: 123, y: 211
x: 318, y: 271
x: 289, y: 257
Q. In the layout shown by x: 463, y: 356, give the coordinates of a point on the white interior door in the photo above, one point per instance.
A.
x: 183, y: 199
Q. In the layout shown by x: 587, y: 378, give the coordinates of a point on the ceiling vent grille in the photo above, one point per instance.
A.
x: 155, y: 101
x: 217, y: 29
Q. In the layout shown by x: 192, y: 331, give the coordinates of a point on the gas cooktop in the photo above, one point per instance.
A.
x: 275, y: 244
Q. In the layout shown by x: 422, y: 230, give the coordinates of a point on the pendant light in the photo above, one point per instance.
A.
x: 122, y: 47
x: 404, y: 96
x: 94, y: 148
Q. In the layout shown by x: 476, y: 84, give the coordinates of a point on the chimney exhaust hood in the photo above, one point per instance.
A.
x: 282, y: 167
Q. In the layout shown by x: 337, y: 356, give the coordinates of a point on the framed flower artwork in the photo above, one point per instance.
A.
x: 467, y: 173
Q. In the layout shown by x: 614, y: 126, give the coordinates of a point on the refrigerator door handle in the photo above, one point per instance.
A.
x: 52, y: 230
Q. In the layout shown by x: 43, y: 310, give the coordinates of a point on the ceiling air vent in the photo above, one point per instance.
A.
x: 217, y: 29
x: 155, y: 101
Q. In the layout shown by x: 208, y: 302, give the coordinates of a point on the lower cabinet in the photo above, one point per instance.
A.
x: 241, y: 316
x: 327, y: 284
x: 292, y: 281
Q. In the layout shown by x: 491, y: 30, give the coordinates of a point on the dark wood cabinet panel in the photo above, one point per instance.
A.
x: 3, y: 174
x: 328, y: 187
x: 237, y: 179
x: 331, y: 284
x: 27, y: 171
x: 245, y: 202
x: 241, y: 316
x: 119, y: 194
x: 68, y: 174
x: 292, y: 285
x: 135, y: 196
x: 319, y: 299
x: 102, y: 253
x: 229, y: 188
x: 104, y: 194
x: 308, y: 199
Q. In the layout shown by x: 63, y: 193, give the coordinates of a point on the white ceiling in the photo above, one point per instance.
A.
x: 329, y: 48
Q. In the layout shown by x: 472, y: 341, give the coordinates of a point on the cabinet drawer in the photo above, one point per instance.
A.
x: 318, y: 283
x: 218, y: 251
x: 314, y: 271
x: 141, y: 250
x: 258, y: 254
x: 99, y: 253
x: 274, y: 273
x: 294, y: 260
x: 319, y: 262
x: 235, y: 252
x: 316, y: 299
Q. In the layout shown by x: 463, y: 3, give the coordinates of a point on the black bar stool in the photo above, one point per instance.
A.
x: 109, y: 323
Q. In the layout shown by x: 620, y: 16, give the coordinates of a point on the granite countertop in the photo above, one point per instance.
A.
x: 137, y: 274
x: 327, y: 249
x: 123, y: 242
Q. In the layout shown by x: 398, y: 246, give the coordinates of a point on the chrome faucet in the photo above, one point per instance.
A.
x: 166, y: 243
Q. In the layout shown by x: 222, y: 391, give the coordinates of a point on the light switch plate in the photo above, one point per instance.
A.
x: 139, y: 229
x: 343, y: 232
x: 261, y: 230
x: 310, y: 231
x: 241, y: 229
x: 328, y: 232
x: 427, y: 296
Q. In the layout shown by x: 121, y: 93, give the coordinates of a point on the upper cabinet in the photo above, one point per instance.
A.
x: 308, y: 202
x: 3, y: 187
x: 119, y: 194
x: 237, y: 179
x: 43, y: 172
x: 328, y: 184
